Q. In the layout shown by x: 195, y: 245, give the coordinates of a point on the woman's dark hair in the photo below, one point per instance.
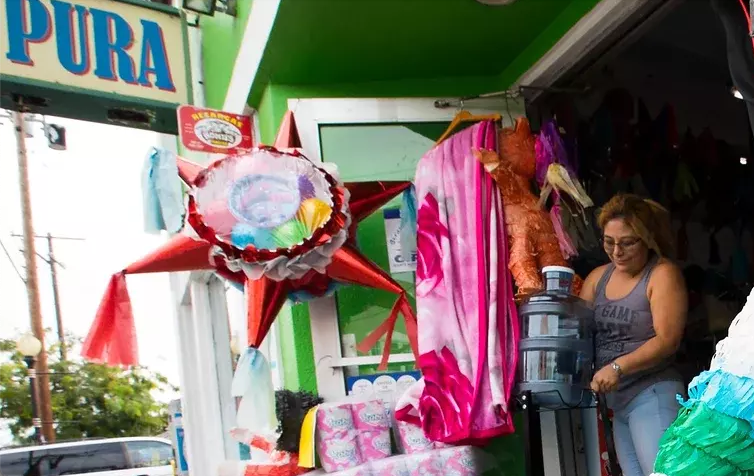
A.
x: 291, y: 408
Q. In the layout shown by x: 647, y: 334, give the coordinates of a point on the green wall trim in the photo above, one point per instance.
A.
x: 222, y: 36
x: 297, y: 353
x: 294, y: 327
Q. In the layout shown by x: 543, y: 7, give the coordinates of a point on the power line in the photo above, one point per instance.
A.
x: 12, y: 263
x: 50, y: 260
x: 70, y: 238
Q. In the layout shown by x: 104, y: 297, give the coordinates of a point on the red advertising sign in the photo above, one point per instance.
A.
x: 214, y: 132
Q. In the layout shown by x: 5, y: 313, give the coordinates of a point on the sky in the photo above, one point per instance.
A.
x: 92, y: 191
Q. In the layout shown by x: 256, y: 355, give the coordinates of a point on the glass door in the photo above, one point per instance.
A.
x: 365, y: 153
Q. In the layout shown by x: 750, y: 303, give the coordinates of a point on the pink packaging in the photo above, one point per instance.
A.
x: 370, y: 416
x: 466, y: 461
x: 334, y: 418
x: 411, y: 438
x: 453, y: 461
x: 350, y: 434
x: 374, y: 430
x: 339, y: 450
x: 375, y: 444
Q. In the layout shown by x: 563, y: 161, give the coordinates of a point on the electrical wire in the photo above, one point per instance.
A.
x: 747, y: 16
x: 12, y: 263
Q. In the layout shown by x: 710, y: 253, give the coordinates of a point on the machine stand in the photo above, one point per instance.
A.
x: 535, y: 465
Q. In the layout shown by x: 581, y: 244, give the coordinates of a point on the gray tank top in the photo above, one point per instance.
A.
x: 624, y: 325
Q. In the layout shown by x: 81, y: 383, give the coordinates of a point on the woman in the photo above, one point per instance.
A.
x: 640, y: 308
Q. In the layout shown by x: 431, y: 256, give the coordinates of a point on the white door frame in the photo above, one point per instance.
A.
x: 310, y: 115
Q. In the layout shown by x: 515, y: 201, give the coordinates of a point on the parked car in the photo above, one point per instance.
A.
x: 141, y: 456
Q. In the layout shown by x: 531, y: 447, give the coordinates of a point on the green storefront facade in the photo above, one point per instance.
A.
x: 361, y: 78
x: 375, y: 49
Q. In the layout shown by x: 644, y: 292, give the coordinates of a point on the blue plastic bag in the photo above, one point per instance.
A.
x: 408, y: 224
x: 253, y: 383
x: 162, y: 193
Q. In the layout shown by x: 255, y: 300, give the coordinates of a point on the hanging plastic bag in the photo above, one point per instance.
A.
x: 408, y: 224
x: 564, y: 240
x: 162, y: 193
x: 253, y: 383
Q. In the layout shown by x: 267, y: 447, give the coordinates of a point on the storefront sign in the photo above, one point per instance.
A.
x: 113, y: 55
x: 214, y: 132
x: 399, y: 262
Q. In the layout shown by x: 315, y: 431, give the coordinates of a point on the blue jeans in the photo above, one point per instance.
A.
x: 639, y: 426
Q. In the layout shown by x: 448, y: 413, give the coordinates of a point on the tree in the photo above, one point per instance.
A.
x: 88, y: 400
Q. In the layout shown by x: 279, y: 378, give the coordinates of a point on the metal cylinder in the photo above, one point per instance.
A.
x: 556, y: 350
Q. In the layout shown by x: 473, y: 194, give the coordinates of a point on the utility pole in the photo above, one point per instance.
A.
x: 56, y: 298
x: 50, y: 260
x: 32, y: 283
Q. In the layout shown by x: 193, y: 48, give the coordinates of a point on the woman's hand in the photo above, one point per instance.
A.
x: 605, y: 380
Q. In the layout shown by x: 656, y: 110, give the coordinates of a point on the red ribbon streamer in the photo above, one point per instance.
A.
x: 386, y: 329
x: 112, y: 338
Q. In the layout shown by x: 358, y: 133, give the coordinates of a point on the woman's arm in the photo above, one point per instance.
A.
x: 669, y: 303
x: 589, y: 288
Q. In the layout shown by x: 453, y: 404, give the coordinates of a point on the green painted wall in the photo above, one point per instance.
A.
x: 221, y: 39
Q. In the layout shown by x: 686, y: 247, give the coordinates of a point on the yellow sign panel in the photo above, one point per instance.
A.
x: 118, y: 48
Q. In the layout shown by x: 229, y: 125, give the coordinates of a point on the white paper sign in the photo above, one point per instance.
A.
x: 394, y: 250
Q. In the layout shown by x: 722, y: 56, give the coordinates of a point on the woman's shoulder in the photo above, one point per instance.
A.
x: 589, y: 289
x: 664, y: 269
x: 666, y: 276
x: 597, y: 274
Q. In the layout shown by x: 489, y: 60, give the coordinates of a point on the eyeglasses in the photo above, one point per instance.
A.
x: 623, y: 245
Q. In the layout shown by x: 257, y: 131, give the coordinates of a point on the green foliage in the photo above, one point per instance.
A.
x: 88, y: 400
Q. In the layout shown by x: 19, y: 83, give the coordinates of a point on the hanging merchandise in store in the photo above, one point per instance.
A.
x: 533, y: 241
x: 468, y: 267
x: 713, y: 432
x: 650, y: 128
x: 462, y: 270
x: 273, y: 222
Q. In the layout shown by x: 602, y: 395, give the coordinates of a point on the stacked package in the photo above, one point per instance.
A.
x: 353, y: 439
x: 451, y: 461
x: 714, y: 432
x: 411, y: 439
x: 351, y: 434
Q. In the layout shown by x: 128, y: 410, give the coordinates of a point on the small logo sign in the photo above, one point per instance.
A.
x: 214, y: 132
